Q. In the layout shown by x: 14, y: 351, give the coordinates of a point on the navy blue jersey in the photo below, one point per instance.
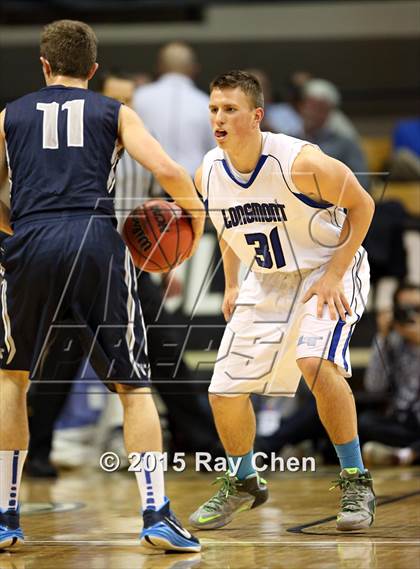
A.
x: 62, y: 152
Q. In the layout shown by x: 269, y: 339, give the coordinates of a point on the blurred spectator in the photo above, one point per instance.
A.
x: 48, y: 394
x: 320, y: 99
x: 407, y: 136
x: 180, y: 394
x: 264, y: 80
x: 132, y: 182
x: 337, y: 121
x: 117, y: 85
x: 141, y: 78
x: 299, y: 424
x: 385, y: 242
x: 405, y: 161
x: 393, y: 436
x: 285, y: 117
x: 174, y: 110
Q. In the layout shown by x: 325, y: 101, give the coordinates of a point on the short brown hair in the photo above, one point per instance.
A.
x: 247, y: 82
x: 70, y: 48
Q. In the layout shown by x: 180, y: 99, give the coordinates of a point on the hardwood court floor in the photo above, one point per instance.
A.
x: 98, y: 525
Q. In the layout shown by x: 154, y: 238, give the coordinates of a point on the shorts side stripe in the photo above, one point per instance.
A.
x: 346, y: 343
x: 134, y: 277
x: 355, y: 278
x: 8, y: 340
x: 131, y: 308
x: 341, y: 323
x: 335, y: 339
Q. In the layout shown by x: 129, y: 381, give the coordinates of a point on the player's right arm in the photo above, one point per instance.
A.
x: 173, y: 178
x: 231, y: 264
x: 4, y: 210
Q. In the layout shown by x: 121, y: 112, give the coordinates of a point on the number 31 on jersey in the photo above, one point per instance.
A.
x: 265, y: 251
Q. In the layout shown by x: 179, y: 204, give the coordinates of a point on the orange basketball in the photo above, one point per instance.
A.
x: 159, y: 235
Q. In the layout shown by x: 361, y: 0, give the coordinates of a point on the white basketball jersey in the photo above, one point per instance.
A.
x: 267, y: 222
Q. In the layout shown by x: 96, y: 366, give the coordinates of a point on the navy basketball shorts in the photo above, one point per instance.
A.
x: 72, y: 275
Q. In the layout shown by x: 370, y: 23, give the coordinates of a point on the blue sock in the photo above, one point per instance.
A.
x: 245, y: 467
x: 349, y: 455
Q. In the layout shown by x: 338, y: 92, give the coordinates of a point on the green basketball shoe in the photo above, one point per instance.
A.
x: 358, y: 500
x: 233, y: 496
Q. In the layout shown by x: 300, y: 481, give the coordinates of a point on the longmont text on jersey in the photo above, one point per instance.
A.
x: 253, y: 213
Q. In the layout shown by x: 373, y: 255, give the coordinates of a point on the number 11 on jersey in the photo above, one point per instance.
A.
x: 263, y: 252
x: 50, y: 123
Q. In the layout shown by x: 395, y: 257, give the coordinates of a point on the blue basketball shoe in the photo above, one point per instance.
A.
x: 10, y: 532
x: 162, y: 531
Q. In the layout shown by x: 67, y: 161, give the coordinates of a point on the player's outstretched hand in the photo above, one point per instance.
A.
x: 329, y: 290
x: 228, y: 306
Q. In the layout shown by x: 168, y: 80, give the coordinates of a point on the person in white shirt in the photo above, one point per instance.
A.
x: 174, y: 109
x: 133, y: 182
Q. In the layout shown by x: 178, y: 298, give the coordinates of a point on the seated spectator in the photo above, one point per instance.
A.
x: 393, y: 436
x: 264, y: 81
x: 320, y: 100
x: 285, y: 117
x: 405, y: 161
x: 407, y: 135
x: 385, y: 242
x: 301, y: 425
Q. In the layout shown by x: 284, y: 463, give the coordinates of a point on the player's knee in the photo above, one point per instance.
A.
x: 216, y: 401
x: 222, y: 403
x: 14, y: 380
x: 129, y: 395
x: 310, y: 367
x: 313, y: 371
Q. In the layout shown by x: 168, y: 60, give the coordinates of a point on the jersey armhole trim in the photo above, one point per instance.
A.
x: 302, y: 197
x: 206, y: 197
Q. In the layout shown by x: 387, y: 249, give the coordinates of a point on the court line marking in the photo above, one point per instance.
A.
x: 132, y: 542
x: 299, y: 529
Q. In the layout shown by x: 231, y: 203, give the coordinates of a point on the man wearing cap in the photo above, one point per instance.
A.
x: 320, y: 101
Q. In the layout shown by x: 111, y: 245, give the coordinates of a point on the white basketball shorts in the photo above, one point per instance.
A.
x: 271, y: 328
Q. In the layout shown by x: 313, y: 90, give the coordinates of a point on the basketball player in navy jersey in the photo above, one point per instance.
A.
x: 66, y: 265
x: 296, y: 219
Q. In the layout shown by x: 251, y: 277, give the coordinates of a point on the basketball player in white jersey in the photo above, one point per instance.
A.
x: 296, y: 219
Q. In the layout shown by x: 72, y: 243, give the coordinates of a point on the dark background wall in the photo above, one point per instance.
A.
x: 383, y: 71
x: 371, y: 50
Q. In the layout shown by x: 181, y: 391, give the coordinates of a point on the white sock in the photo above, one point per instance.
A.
x: 11, y: 466
x: 405, y: 455
x: 150, y: 479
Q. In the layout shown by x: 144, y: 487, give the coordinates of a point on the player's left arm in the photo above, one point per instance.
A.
x: 325, y: 179
x: 4, y: 210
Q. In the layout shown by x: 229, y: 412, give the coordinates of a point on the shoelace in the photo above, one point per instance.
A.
x: 353, y: 492
x: 227, y: 488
